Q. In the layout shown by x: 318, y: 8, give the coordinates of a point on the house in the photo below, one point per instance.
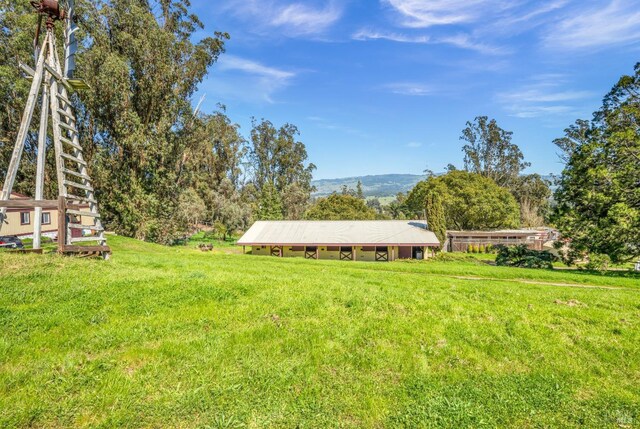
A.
x: 459, y: 241
x: 20, y: 222
x: 371, y: 240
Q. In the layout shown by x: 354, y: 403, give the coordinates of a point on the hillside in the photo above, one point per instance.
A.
x: 381, y: 186
x: 173, y: 337
x: 385, y: 185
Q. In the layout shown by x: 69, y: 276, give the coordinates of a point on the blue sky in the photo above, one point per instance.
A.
x: 386, y: 86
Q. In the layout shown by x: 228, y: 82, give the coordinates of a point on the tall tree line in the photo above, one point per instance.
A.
x: 598, y: 199
x: 158, y: 169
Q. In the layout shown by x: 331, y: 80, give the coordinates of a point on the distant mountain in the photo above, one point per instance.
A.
x: 379, y: 186
x: 382, y: 185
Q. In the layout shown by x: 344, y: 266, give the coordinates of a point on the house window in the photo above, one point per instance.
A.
x: 25, y: 218
x: 46, y: 218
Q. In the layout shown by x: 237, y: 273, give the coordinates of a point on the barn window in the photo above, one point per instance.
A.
x: 368, y: 249
x: 297, y: 249
x: 333, y: 249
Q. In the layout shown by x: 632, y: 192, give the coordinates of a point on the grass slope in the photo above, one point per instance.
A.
x: 172, y: 337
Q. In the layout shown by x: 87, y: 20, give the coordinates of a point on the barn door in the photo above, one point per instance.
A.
x: 382, y: 254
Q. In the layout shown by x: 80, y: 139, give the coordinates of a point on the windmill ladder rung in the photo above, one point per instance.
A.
x: 68, y: 127
x: 91, y: 227
x: 66, y: 114
x: 73, y: 158
x: 75, y: 173
x: 81, y: 213
x: 64, y: 99
x: 78, y: 185
x: 86, y: 239
x: 70, y: 143
x: 79, y: 198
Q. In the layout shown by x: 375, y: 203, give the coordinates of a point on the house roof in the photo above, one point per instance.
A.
x: 499, y: 233
x: 17, y: 196
x: 339, y: 233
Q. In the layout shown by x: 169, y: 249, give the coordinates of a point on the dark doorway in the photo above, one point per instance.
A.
x: 417, y: 253
x: 404, y: 252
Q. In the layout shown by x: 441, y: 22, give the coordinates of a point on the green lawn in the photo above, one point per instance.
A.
x: 174, y: 337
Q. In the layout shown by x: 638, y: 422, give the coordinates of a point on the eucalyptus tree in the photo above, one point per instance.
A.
x: 489, y: 152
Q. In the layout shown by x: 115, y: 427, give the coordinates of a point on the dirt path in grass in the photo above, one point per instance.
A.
x: 533, y: 282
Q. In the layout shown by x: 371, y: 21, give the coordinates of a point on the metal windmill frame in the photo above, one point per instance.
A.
x: 51, y: 86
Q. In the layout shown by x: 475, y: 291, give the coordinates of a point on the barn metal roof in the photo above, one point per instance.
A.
x: 339, y: 233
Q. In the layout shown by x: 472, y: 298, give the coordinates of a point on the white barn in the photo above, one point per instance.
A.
x: 369, y: 240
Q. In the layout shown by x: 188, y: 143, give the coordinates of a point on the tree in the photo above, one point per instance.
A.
x: 435, y: 217
x: 574, y: 136
x: 359, y: 192
x: 277, y: 159
x: 229, y: 212
x: 191, y: 210
x: 270, y: 203
x: 340, y: 207
x: 470, y: 201
x: 598, y: 198
x: 489, y: 151
x: 532, y: 193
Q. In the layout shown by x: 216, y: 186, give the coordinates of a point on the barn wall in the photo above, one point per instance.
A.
x: 260, y: 250
x: 323, y: 253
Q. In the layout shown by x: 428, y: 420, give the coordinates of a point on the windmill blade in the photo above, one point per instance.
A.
x: 70, y: 42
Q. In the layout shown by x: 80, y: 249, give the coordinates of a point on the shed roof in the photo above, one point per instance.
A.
x: 496, y: 233
x: 339, y: 233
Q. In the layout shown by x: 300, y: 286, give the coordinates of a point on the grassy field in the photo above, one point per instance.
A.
x: 174, y: 337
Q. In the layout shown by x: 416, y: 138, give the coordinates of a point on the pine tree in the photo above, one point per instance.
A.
x: 435, y: 217
x: 359, y: 192
x: 270, y: 203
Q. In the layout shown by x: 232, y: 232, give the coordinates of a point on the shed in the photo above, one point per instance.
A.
x: 370, y: 240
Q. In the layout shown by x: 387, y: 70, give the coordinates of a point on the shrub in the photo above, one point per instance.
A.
x: 598, y: 262
x: 482, y: 249
x: 489, y: 248
x: 469, y: 248
x: 522, y: 256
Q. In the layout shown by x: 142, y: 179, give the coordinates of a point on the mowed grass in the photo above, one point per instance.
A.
x: 174, y: 337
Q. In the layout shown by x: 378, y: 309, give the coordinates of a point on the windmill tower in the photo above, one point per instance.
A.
x: 80, y: 230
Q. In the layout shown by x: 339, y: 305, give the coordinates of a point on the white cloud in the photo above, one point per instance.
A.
x: 231, y: 62
x: 364, y: 35
x: 427, y: 13
x: 462, y: 41
x: 411, y: 89
x: 544, y: 96
x: 618, y: 23
x: 291, y: 18
x: 248, y: 80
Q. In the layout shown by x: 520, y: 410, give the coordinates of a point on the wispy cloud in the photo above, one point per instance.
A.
x: 366, y: 34
x: 544, y: 96
x: 617, y: 23
x: 423, y: 14
x: 411, y: 89
x: 461, y: 40
x: 249, y: 80
x: 290, y: 18
x: 325, y: 124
